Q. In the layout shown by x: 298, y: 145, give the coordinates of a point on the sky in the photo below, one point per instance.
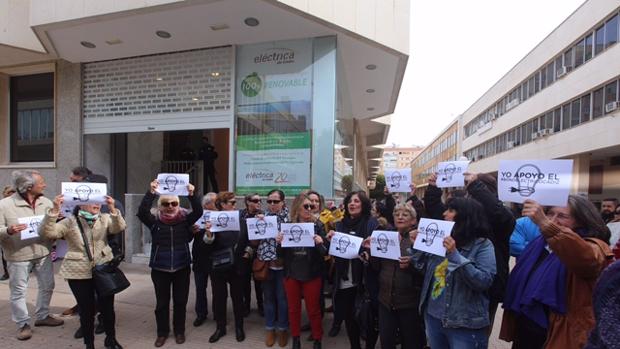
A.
x: 458, y: 50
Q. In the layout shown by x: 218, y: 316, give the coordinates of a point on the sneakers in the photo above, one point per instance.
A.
x: 270, y: 338
x: 24, y: 333
x: 282, y: 338
x: 49, y: 321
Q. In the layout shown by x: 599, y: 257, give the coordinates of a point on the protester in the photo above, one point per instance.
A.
x: 549, y: 296
x: 233, y: 246
x: 302, y: 273
x: 608, y: 208
x: 606, y: 299
x: 454, y: 299
x: 79, y: 174
x: 201, y: 265
x: 276, y: 307
x: 26, y: 256
x: 525, y: 232
x: 251, y: 210
x: 399, y: 289
x: 6, y: 192
x: 351, y: 277
x: 77, y: 268
x: 171, y: 231
x: 614, y: 228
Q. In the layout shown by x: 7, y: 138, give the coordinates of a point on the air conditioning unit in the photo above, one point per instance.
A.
x: 609, y: 107
x: 510, y: 144
x: 546, y: 131
x: 561, y: 72
x: 534, y: 135
x: 493, y: 115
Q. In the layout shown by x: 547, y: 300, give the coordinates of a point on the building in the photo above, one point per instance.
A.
x: 559, y: 102
x: 288, y: 92
x: 399, y: 157
x: 445, y: 147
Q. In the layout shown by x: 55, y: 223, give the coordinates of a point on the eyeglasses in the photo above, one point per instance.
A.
x: 170, y: 203
x: 309, y: 207
x: 231, y: 202
x: 254, y: 201
x: 274, y: 202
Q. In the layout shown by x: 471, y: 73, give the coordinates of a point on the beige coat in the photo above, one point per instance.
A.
x: 76, y: 264
x: 15, y: 249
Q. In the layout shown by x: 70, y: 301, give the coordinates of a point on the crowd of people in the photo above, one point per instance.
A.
x: 421, y: 300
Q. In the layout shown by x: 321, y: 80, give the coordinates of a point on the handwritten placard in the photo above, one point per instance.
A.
x: 450, y: 173
x: 431, y: 233
x: 173, y: 184
x: 345, y: 245
x: 32, y: 230
x: 385, y: 244
x: 83, y: 193
x: 545, y: 181
x: 297, y: 234
x: 397, y: 180
x: 262, y: 228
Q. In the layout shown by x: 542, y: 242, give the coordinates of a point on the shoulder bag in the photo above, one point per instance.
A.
x: 108, y: 278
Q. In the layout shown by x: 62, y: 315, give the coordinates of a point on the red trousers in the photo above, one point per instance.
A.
x: 311, y: 291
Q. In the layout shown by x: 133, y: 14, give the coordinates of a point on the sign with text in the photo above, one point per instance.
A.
x: 297, y: 234
x: 431, y: 233
x: 222, y: 220
x: 262, y: 228
x: 450, y: 173
x: 397, y: 180
x: 173, y: 184
x: 385, y: 244
x: 83, y: 193
x: 33, y: 223
x: 345, y: 246
x: 545, y: 181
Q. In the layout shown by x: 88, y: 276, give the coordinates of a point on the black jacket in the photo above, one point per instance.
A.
x: 357, y: 267
x: 170, y: 245
x: 432, y: 202
x: 305, y: 263
x: 238, y: 241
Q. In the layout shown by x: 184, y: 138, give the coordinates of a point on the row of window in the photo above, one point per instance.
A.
x: 592, y: 105
x: 437, y: 149
x: 591, y: 44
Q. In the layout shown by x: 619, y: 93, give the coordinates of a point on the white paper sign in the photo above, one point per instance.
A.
x: 83, y: 193
x: 33, y: 224
x: 450, y: 173
x: 397, y: 180
x: 385, y: 244
x: 206, y: 216
x: 546, y: 181
x: 297, y: 234
x: 173, y: 184
x: 222, y: 220
x: 345, y: 245
x: 262, y: 228
x: 431, y: 233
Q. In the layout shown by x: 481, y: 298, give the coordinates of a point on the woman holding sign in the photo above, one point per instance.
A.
x: 548, y: 301
x: 171, y: 230
x: 77, y: 267
x: 351, y: 278
x: 454, y: 299
x: 302, y: 273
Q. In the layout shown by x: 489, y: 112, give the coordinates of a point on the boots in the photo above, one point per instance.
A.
x: 296, y: 343
x: 316, y: 345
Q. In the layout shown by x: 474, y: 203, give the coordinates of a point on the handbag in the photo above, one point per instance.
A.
x: 109, y: 279
x: 222, y: 259
x: 364, y: 314
x: 260, y: 269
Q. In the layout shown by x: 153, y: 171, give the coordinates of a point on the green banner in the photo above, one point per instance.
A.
x: 274, y: 141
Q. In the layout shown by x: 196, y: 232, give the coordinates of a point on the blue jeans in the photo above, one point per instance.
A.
x: 454, y: 338
x: 275, y: 301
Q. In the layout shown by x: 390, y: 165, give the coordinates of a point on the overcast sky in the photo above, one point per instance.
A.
x: 458, y: 50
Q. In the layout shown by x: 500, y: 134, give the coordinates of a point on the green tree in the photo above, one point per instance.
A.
x: 347, y: 183
x: 377, y: 193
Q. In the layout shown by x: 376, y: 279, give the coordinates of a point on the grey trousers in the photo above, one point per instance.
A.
x: 19, y: 274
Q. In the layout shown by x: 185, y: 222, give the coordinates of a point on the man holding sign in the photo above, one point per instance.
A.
x: 26, y: 255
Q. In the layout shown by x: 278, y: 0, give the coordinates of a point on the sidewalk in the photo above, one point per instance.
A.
x: 136, y: 321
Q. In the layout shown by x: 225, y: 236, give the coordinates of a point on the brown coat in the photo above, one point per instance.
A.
x: 584, y: 260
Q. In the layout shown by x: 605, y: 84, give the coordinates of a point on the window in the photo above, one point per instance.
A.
x: 543, y: 78
x: 531, y: 87
x: 527, y: 128
x: 568, y: 59
x: 579, y: 52
x: 585, y: 108
x: 599, y: 40
x: 558, y: 64
x: 566, y: 116
x: 549, y: 120
x: 524, y: 91
x: 588, y: 53
x: 32, y: 118
x: 575, y: 113
x: 611, y: 31
x: 557, y: 120
x: 550, y: 73
x: 611, y: 91
x: 597, y: 104
x: 536, y: 82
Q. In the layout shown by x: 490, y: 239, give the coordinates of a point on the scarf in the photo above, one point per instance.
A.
x: 359, y: 225
x: 172, y: 219
x: 89, y: 217
x: 535, y: 285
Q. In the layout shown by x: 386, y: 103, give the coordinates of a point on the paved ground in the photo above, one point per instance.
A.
x: 136, y: 321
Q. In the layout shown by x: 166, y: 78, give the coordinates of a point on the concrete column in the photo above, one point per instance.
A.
x: 581, y: 174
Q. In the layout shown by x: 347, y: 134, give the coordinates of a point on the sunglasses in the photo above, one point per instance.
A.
x: 274, y: 202
x: 231, y: 202
x: 309, y: 207
x: 254, y: 201
x: 170, y: 203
